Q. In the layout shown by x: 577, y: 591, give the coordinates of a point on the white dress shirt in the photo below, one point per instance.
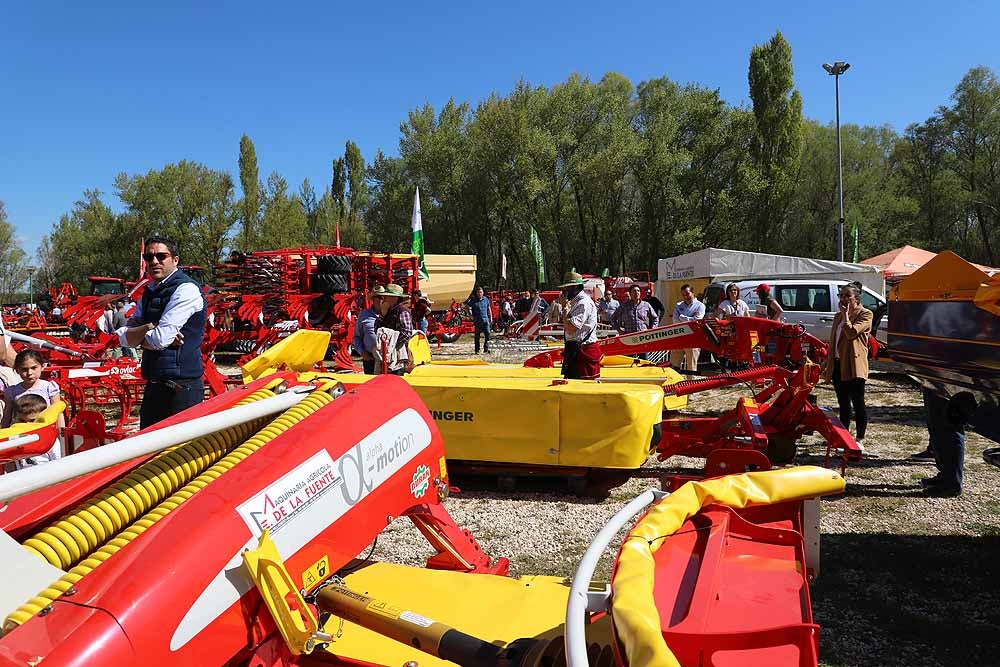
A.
x: 184, y: 302
x: 583, y: 315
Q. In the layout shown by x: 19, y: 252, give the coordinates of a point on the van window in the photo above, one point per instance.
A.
x: 805, y: 298
x: 869, y: 301
x: 713, y: 297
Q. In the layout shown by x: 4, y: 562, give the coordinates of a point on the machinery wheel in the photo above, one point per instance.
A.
x: 450, y: 337
x: 333, y: 264
x: 329, y: 283
x: 780, y: 448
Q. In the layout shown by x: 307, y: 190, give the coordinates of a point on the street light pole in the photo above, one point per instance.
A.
x: 835, y: 70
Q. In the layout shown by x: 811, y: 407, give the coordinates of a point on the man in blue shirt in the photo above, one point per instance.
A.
x: 364, y: 330
x: 687, y: 309
x: 481, y: 317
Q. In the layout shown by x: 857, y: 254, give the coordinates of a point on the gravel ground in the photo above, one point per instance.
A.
x: 906, y: 580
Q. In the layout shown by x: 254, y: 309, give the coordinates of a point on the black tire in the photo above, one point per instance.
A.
x: 329, y: 283
x: 333, y: 264
x: 450, y: 337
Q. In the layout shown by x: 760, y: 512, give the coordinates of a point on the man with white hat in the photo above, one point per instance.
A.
x: 397, y: 317
x: 581, y: 356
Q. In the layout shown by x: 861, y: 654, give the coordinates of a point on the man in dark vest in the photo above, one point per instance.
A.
x: 168, y: 324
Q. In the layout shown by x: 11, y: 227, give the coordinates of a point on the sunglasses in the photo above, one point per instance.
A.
x: 160, y: 257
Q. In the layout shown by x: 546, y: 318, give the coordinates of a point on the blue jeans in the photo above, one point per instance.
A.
x: 482, y: 329
x: 947, y: 440
x: 422, y: 325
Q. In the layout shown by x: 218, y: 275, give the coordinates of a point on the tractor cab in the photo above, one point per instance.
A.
x: 103, y: 285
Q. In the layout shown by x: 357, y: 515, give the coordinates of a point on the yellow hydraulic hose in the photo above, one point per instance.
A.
x: 316, y: 400
x: 73, y: 537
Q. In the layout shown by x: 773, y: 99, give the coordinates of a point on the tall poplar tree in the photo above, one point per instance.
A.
x: 249, y: 206
x: 777, y: 110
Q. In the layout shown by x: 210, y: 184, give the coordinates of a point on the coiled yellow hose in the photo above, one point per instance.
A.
x: 282, y: 423
x: 74, y: 536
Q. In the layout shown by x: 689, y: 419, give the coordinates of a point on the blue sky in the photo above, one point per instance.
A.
x: 88, y: 90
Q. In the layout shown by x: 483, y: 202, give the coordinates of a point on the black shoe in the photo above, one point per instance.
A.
x: 942, y: 491
x: 930, y: 481
x: 926, y: 455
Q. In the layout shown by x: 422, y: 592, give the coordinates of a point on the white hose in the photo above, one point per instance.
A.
x: 581, y: 600
x: 31, y: 479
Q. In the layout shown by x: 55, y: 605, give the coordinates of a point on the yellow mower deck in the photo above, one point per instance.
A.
x: 531, y: 421
x: 645, y: 375
x: 529, y: 607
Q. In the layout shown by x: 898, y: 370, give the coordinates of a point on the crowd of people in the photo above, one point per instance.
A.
x: 168, y: 324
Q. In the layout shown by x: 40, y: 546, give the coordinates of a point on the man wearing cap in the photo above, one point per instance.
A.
x: 687, y: 309
x: 364, y: 329
x: 397, y: 317
x: 769, y: 306
x: 581, y: 356
x: 421, y: 309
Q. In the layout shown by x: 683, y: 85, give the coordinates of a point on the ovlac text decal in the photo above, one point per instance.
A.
x: 303, y: 502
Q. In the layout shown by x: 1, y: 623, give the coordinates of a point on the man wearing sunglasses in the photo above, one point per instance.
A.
x: 168, y: 324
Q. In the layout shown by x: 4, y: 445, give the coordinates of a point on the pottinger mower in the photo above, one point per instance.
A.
x: 572, y: 428
x: 782, y: 367
x: 228, y: 535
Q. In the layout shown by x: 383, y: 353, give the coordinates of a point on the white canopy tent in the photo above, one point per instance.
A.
x: 719, y: 264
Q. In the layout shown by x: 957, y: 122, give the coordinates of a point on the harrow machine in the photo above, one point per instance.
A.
x: 230, y: 535
x: 262, y: 297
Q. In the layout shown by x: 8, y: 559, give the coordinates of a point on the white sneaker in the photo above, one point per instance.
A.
x: 861, y: 444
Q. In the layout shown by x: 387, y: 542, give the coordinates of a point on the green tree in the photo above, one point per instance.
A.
x: 354, y: 164
x: 284, y: 222
x: 250, y: 205
x: 338, y: 188
x: 974, y: 121
x: 186, y: 201
x: 13, y: 259
x: 777, y: 109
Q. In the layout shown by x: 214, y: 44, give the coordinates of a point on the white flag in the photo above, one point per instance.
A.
x: 503, y: 266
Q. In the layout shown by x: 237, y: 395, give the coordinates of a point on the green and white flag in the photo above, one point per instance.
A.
x: 535, y: 245
x: 418, y: 235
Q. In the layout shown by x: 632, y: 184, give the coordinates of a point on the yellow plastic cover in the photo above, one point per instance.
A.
x: 636, y: 617
x: 46, y: 418
x: 299, y: 352
x: 988, y: 296
x: 947, y: 277
x: 532, y: 421
x: 642, y: 374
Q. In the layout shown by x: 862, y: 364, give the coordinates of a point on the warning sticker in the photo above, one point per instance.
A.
x: 316, y: 573
x: 416, y: 619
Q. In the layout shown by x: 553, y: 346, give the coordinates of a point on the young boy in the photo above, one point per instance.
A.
x: 26, y: 409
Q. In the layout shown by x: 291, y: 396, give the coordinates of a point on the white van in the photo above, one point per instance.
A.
x: 809, y: 302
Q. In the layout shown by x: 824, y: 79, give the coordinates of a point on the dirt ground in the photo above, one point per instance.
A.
x: 906, y: 580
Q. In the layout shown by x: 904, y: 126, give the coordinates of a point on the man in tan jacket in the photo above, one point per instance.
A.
x: 847, y: 361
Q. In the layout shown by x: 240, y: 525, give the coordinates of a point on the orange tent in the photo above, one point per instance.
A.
x: 901, y: 262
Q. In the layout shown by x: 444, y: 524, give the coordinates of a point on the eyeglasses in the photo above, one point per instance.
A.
x: 160, y: 257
